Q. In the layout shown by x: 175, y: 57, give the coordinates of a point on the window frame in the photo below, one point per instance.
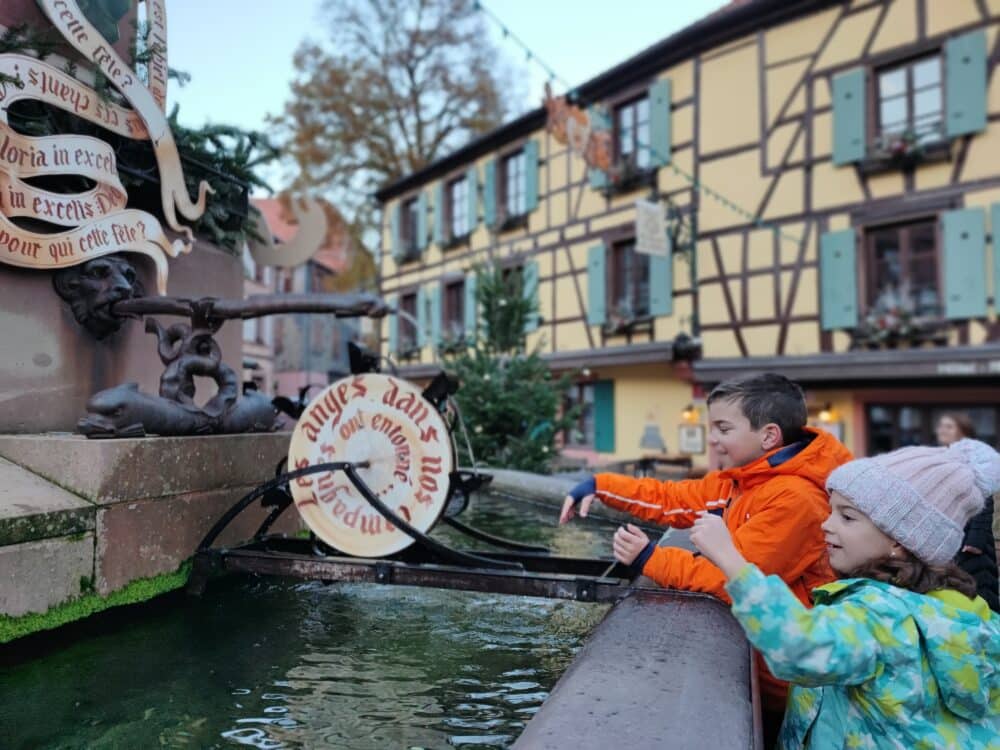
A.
x: 929, y: 412
x: 451, y: 238
x: 870, y: 286
x: 409, y: 227
x: 616, y: 138
x: 507, y: 220
x: 453, y: 310
x: 408, y: 338
x: 614, y: 250
x: 578, y: 388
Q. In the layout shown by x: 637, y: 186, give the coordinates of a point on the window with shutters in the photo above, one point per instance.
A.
x: 902, y: 286
x: 513, y: 195
x: 453, y: 311
x: 909, y: 104
x: 631, y: 134
x: 407, y: 323
x: 581, y: 433
x: 456, y: 211
x: 409, y: 228
x: 628, y: 285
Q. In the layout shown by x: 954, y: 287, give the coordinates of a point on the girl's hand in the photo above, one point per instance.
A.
x: 629, y: 541
x: 710, y: 535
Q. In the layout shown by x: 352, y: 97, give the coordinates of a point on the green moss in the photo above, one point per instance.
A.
x: 137, y: 591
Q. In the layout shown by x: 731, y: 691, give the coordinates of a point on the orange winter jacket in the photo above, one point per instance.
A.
x: 773, y: 507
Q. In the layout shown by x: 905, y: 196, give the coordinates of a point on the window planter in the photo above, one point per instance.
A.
x: 617, y: 325
x: 904, y: 157
x: 513, y: 222
x: 626, y: 177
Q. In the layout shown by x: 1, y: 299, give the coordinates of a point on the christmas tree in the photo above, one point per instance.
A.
x: 510, y: 403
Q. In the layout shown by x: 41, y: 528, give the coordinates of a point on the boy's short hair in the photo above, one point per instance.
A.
x: 767, y: 398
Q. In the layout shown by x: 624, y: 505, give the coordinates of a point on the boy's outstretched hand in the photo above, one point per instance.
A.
x: 578, y: 500
x: 710, y: 535
x: 628, y: 543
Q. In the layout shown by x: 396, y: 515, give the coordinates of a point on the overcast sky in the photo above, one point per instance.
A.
x: 239, y: 53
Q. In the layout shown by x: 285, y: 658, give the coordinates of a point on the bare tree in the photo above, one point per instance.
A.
x: 400, y: 84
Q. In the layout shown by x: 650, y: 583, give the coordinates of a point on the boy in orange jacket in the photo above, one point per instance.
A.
x: 770, y: 488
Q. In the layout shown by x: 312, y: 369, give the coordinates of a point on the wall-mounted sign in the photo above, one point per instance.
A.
x: 651, y: 229
x: 691, y: 439
x: 572, y: 127
x: 385, y: 421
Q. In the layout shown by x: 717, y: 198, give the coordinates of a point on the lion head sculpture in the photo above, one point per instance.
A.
x: 93, y: 287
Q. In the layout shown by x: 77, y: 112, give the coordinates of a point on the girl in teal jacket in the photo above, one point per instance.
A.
x: 900, y: 653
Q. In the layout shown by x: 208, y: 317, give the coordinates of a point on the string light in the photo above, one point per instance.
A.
x: 571, y: 96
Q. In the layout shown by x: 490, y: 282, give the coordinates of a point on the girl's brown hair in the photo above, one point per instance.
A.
x: 908, y: 572
x: 962, y: 422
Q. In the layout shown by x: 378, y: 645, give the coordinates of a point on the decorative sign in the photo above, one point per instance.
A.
x: 571, y: 126
x: 691, y: 438
x: 651, y: 229
x: 385, y: 421
x: 98, y: 220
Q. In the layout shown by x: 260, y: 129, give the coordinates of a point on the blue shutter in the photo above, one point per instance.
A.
x: 596, y: 304
x: 529, y: 288
x: 435, y: 296
x: 393, y: 326
x: 490, y: 194
x: 849, y: 116
x: 599, y: 120
x: 397, y: 237
x: 964, y: 251
x: 421, y: 317
x: 439, y: 212
x: 838, y: 280
x: 661, y: 283
x: 995, y: 219
x: 472, y: 183
x: 659, y: 123
x: 965, y: 83
x: 530, y: 176
x: 471, y: 307
x: 604, y: 416
x: 422, y: 220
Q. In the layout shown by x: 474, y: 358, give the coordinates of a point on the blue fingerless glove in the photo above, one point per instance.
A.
x: 640, y: 560
x: 586, y: 487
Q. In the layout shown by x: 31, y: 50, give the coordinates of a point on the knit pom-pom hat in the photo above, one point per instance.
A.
x: 922, y: 497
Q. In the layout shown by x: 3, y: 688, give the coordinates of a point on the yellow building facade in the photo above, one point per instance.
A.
x: 830, y: 174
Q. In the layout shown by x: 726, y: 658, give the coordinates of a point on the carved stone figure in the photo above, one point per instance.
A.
x: 93, y: 287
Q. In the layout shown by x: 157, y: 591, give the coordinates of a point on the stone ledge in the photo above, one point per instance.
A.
x: 39, y: 575
x: 32, y: 509
x: 113, y: 471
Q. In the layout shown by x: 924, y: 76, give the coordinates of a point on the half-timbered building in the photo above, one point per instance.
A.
x: 830, y: 172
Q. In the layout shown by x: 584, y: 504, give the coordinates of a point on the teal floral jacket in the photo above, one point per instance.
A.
x: 876, y: 666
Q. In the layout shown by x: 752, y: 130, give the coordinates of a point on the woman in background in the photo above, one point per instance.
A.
x: 978, y: 555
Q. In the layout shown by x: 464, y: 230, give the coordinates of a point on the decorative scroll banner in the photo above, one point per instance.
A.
x: 386, y: 422
x: 47, y: 84
x: 125, y: 231
x: 308, y: 240
x: 571, y: 126
x: 78, y: 31
x: 156, y: 45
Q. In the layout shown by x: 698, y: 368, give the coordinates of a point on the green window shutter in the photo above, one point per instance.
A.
x: 397, y: 236
x: 596, y: 284
x: 529, y: 288
x: 393, y: 326
x: 435, y: 297
x: 439, y: 193
x: 661, y: 283
x: 965, y: 83
x: 849, y: 116
x: 599, y: 120
x: 531, y: 176
x: 964, y: 252
x: 472, y: 183
x: 421, y: 317
x: 422, y: 220
x: 490, y: 194
x: 659, y: 123
x: 838, y: 281
x: 604, y: 416
x: 995, y: 219
x: 471, y: 308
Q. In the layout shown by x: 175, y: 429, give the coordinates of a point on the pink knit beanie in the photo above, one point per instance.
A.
x: 922, y: 497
